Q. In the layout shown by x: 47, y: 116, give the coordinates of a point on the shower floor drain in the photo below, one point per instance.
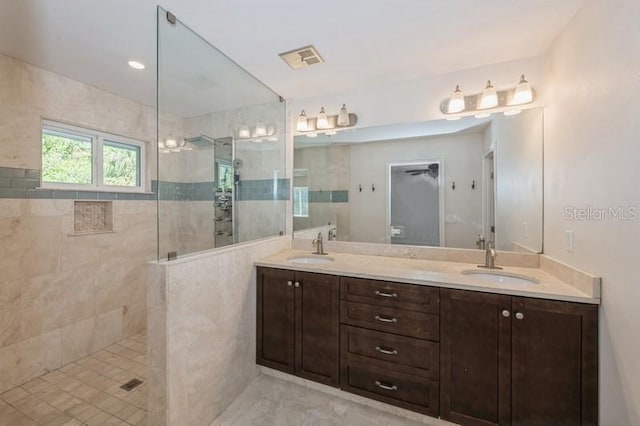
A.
x: 131, y: 384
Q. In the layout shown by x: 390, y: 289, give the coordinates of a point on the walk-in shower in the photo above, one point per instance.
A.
x: 221, y: 156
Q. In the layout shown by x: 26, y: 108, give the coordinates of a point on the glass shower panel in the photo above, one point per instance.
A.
x: 221, y: 156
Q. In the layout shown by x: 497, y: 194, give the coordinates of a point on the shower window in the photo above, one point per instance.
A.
x: 78, y: 158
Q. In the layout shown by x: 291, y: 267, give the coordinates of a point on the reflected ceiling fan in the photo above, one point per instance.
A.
x: 431, y: 170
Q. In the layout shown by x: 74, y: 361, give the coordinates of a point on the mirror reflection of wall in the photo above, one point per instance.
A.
x: 491, y: 180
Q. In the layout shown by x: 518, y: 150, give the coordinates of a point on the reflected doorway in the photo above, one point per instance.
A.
x: 416, y: 203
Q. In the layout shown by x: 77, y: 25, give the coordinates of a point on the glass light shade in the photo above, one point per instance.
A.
x: 456, y: 102
x: 261, y: 129
x: 523, y: 93
x: 343, y: 117
x: 483, y: 115
x: 170, y: 142
x: 271, y: 130
x: 301, y: 124
x: 312, y: 135
x: 322, y: 122
x: 244, y: 132
x: 161, y: 145
x: 453, y: 118
x: 489, y: 97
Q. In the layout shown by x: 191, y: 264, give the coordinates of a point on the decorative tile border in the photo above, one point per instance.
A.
x: 338, y: 196
x: 23, y: 183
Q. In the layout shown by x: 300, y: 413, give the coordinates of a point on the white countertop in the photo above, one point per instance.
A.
x: 432, y: 273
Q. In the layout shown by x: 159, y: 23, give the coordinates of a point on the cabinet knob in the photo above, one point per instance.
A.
x: 289, y: 283
x: 506, y: 313
x: 297, y: 284
x: 519, y: 315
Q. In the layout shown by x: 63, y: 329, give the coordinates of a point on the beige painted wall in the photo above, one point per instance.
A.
x: 591, y: 158
x: 63, y: 297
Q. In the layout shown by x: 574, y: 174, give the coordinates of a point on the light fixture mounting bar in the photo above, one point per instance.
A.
x: 472, y: 102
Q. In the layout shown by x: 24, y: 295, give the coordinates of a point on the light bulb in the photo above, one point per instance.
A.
x: 523, y: 93
x: 456, y: 102
x: 322, y: 122
x: 244, y: 132
x: 261, y: 129
x: 301, y: 124
x: 343, y: 117
x: 489, y: 97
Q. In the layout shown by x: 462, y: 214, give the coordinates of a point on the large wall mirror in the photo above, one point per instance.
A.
x: 438, y: 183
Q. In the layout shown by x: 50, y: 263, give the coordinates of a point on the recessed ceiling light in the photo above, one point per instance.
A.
x: 136, y: 65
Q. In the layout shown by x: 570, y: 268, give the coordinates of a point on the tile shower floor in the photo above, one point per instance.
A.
x: 84, y: 392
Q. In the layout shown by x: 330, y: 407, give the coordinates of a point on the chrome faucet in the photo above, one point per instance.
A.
x: 481, y: 241
x: 332, y: 234
x: 317, y: 243
x: 490, y: 257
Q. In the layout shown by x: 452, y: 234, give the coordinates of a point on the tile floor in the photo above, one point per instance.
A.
x: 269, y: 401
x: 84, y: 392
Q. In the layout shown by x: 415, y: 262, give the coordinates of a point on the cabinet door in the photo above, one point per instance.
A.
x: 475, y: 350
x: 555, y: 364
x: 275, y: 319
x: 317, y: 327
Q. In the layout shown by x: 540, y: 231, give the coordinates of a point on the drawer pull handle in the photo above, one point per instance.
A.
x: 386, y: 386
x: 386, y: 351
x: 383, y: 294
x: 383, y: 319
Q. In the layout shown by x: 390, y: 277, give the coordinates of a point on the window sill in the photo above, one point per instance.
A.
x: 82, y: 234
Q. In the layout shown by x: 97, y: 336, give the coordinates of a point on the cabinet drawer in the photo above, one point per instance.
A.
x: 406, y: 354
x: 383, y: 293
x: 397, y: 321
x: 415, y: 393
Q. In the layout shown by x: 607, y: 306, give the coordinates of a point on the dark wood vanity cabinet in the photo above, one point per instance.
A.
x: 298, y: 324
x: 472, y: 358
x: 509, y: 360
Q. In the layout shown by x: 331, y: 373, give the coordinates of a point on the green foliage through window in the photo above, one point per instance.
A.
x: 69, y: 155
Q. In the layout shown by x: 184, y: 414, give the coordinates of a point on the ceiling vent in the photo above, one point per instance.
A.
x: 302, y: 58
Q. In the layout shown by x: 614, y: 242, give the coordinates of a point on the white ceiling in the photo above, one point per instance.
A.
x: 364, y: 42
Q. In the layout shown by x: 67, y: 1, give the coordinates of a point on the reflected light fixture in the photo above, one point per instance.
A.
x: 312, y: 135
x: 453, y: 118
x: 261, y: 129
x: 301, y: 124
x: 171, y: 142
x: 161, y: 145
x: 244, y: 132
x: 136, y: 65
x: 456, y: 102
x: 523, y: 93
x: 489, y: 97
x: 330, y: 132
x: 322, y: 122
x: 483, y: 115
x: 343, y: 117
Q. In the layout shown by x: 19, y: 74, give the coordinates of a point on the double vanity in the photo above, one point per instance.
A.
x: 443, y: 338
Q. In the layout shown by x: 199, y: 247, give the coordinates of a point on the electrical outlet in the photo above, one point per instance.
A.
x: 568, y: 241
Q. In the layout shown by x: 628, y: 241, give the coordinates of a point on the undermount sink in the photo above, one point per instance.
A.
x: 311, y: 260
x: 500, y: 277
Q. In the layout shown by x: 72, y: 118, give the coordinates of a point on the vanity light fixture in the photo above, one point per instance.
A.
x: 489, y: 97
x: 456, y: 101
x: 490, y: 100
x: 343, y: 117
x: 321, y: 121
x: 136, y: 65
x: 325, y: 123
x: 301, y: 124
x: 523, y: 93
x: 170, y: 142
